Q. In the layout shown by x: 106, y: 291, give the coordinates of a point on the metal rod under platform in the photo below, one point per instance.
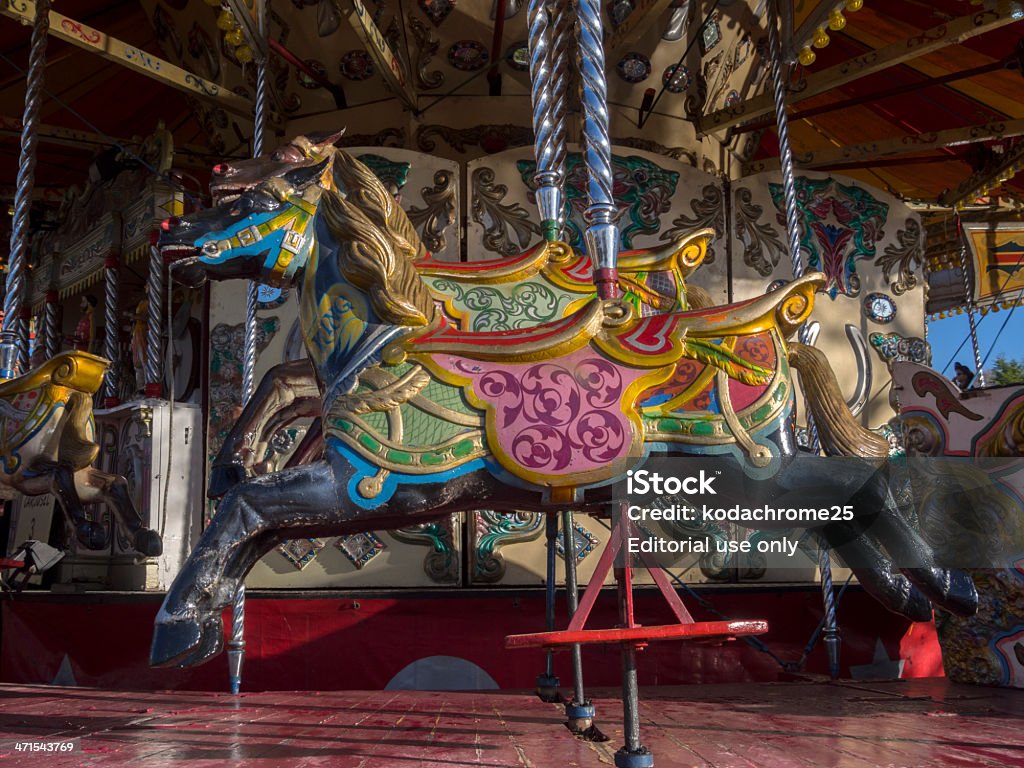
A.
x: 579, y: 712
x: 633, y: 754
x: 547, y: 681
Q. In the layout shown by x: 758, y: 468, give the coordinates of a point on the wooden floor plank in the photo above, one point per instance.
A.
x: 781, y: 725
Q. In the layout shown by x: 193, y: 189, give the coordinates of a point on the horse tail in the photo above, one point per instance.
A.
x: 368, y: 260
x: 698, y: 298
x: 838, y: 430
x: 363, y: 187
x: 77, y: 446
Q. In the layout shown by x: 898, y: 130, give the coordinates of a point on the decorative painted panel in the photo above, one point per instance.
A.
x: 663, y: 196
x: 997, y: 258
x: 839, y: 226
x: 869, y: 244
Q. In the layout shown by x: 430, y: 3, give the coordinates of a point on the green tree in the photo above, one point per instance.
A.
x: 1006, y: 371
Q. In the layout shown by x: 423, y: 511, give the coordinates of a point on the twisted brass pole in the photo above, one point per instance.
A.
x: 154, y: 320
x: 14, y: 332
x: 51, y: 328
x: 236, y: 645
x: 971, y: 320
x: 602, y: 234
x: 111, y: 336
x: 831, y: 628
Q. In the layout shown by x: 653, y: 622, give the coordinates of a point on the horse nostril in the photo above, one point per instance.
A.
x: 221, y: 169
x: 168, y: 224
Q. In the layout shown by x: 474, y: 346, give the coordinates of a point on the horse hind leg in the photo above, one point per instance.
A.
x: 92, y: 485
x: 949, y: 588
x: 280, y: 387
x: 906, y: 549
x: 875, y: 572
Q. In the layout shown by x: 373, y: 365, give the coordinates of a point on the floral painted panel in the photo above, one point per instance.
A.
x: 840, y: 225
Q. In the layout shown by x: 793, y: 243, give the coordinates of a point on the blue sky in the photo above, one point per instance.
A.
x: 945, y: 336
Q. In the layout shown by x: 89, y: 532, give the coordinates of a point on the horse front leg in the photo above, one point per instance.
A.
x: 301, y: 408
x: 255, y: 516
x: 92, y: 485
x: 310, y: 448
x: 90, y: 534
x: 280, y: 387
x: 188, y: 627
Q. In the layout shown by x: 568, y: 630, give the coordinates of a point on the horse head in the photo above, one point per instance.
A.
x: 261, y: 223
x: 312, y: 216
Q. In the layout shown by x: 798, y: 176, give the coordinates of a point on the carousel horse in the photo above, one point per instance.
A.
x: 422, y: 419
x: 967, y: 446
x: 547, y: 282
x: 47, y: 446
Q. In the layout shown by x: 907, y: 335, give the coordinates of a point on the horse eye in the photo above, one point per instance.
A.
x: 264, y: 202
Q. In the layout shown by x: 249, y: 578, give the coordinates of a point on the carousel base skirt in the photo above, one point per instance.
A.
x: 453, y: 638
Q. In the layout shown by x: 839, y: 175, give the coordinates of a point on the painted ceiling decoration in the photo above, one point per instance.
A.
x: 437, y: 10
x: 356, y: 65
x: 676, y: 78
x: 634, y: 67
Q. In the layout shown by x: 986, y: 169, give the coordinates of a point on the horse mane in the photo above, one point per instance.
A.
x: 362, y: 186
x: 374, y: 256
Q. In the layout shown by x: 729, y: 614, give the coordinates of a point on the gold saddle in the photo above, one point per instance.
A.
x: 80, y: 371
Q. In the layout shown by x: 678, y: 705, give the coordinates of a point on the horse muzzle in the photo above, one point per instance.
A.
x: 183, y: 264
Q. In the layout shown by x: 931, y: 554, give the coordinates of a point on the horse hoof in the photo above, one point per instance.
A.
x: 148, y: 543
x: 224, y: 477
x: 173, y: 640
x: 917, y: 606
x: 92, y: 536
x: 185, y: 642
x: 961, y: 594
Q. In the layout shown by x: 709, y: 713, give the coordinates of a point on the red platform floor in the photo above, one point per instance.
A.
x: 909, y: 724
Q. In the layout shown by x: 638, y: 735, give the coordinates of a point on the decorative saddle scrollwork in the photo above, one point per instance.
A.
x: 641, y: 342
x: 551, y: 281
x: 683, y: 255
x: 564, y: 402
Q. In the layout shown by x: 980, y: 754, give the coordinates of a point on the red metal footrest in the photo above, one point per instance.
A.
x: 704, y: 631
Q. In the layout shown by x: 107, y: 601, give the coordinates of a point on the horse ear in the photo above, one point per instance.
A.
x: 324, y: 140
x: 300, y: 178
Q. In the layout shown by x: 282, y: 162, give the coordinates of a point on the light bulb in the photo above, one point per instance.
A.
x: 244, y: 54
x: 807, y: 56
x: 225, y: 21
x: 836, y: 20
x: 854, y: 5
x: 821, y: 38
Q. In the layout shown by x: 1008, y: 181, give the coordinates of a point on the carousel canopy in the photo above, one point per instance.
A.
x: 919, y: 99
